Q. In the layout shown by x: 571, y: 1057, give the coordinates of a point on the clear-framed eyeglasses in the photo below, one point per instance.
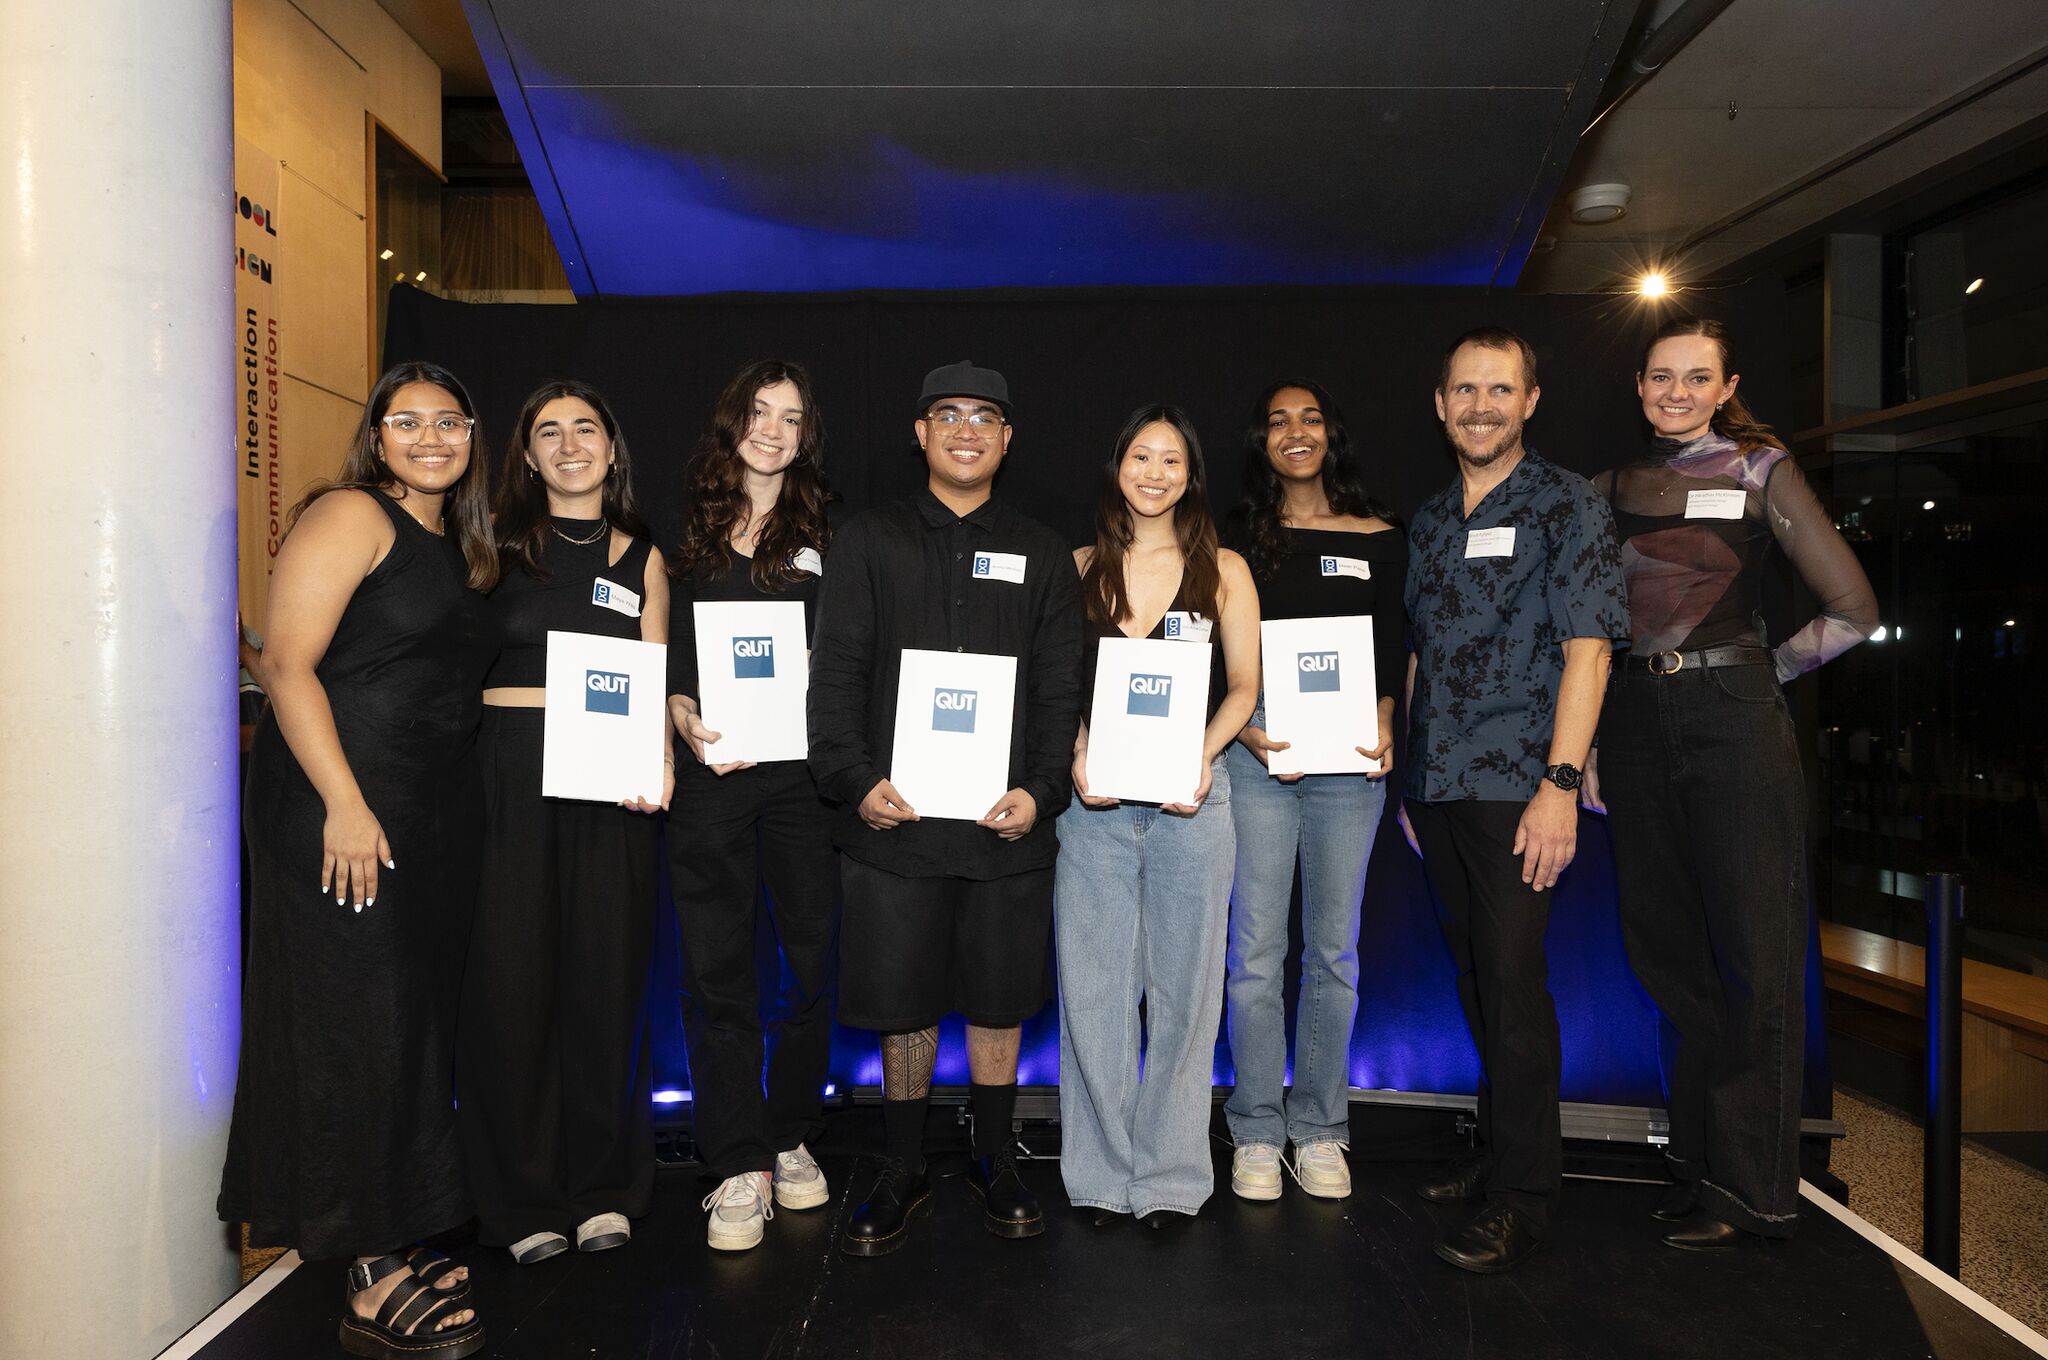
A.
x: 946, y: 418
x: 406, y: 428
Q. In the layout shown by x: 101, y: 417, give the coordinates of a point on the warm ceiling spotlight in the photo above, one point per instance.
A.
x: 1653, y: 285
x: 1927, y: 505
x: 1598, y: 203
x: 420, y: 277
x: 385, y: 254
x: 1975, y: 284
x: 2012, y: 623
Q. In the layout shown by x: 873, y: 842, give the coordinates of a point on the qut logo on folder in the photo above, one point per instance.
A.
x: 1318, y: 671
x: 753, y: 658
x: 953, y: 710
x: 606, y: 691
x: 1151, y: 695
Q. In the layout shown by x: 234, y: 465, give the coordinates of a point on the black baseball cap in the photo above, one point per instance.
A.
x: 965, y: 380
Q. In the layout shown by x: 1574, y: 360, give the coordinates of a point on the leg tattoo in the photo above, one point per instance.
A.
x: 907, y: 1061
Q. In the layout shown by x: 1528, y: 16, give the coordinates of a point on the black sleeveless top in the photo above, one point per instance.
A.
x: 1093, y: 633
x: 1318, y: 578
x: 579, y: 594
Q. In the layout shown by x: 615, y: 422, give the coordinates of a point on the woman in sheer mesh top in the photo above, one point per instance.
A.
x: 1698, y: 766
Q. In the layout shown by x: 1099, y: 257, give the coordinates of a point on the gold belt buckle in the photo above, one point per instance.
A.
x: 1677, y: 663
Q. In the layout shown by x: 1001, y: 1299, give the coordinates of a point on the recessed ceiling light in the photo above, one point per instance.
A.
x: 385, y: 254
x: 1653, y: 285
x: 1924, y: 505
x: 1975, y: 284
x: 1598, y: 203
x: 420, y: 277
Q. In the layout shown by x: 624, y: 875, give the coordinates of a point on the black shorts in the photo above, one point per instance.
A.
x: 913, y: 950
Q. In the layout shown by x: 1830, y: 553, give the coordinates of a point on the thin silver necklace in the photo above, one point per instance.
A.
x: 602, y: 529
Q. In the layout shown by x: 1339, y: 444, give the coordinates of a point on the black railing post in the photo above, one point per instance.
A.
x: 1941, y: 1203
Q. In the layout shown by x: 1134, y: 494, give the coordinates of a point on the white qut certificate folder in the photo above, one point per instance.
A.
x: 601, y: 736
x: 753, y: 671
x: 952, y: 751
x: 1322, y: 694
x: 1145, y: 726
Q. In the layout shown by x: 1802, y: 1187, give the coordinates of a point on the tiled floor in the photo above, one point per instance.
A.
x: 2005, y: 1205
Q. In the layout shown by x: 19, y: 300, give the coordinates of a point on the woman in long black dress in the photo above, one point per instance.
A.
x: 554, y: 1066
x: 363, y: 812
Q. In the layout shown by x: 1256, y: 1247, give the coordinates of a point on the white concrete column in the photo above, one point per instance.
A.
x: 119, y: 942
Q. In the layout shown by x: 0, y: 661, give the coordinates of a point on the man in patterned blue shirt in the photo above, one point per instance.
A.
x: 1515, y: 601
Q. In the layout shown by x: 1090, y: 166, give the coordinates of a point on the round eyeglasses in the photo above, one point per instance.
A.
x: 406, y: 428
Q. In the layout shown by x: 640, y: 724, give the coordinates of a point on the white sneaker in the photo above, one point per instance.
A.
x: 1322, y: 1170
x: 1255, y: 1171
x: 799, y: 1184
x: 738, y: 1209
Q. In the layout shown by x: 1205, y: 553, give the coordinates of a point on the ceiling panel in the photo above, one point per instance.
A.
x: 821, y: 146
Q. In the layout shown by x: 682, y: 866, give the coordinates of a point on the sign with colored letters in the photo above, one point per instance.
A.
x: 951, y: 756
x: 753, y: 677
x: 601, y: 732
x: 1322, y: 694
x: 1145, y: 723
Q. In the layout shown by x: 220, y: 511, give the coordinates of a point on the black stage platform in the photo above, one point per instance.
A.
x: 1294, y: 1279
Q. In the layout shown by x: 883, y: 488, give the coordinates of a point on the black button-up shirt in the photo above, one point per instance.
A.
x: 1489, y: 632
x: 903, y: 576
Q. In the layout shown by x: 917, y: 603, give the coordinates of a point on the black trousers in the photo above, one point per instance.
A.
x: 727, y: 834
x: 1707, y: 805
x: 552, y: 1065
x: 1494, y: 924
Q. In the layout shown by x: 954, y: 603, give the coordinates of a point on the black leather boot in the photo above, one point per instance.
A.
x: 880, y: 1225
x: 1010, y: 1209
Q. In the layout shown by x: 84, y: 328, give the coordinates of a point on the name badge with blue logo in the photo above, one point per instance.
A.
x: 953, y: 710
x: 615, y: 597
x: 1184, y: 626
x: 1318, y: 672
x: 1355, y: 567
x: 807, y: 559
x: 995, y: 566
x: 1151, y: 696
x: 753, y: 658
x: 607, y: 692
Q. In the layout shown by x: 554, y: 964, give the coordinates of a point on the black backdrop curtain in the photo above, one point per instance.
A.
x: 1078, y: 363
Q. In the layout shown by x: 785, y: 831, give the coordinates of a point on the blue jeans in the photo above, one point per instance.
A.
x: 1329, y: 820
x: 1139, y: 902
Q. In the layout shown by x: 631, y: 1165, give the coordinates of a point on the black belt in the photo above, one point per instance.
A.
x: 1671, y: 663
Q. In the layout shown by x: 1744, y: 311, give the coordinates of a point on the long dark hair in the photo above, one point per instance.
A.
x: 466, y: 506
x: 1102, y: 585
x: 1259, y: 511
x: 1733, y: 420
x: 717, y: 488
x: 523, y: 522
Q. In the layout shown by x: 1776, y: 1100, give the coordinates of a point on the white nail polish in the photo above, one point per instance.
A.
x: 359, y: 909
x: 370, y: 902
x: 389, y: 865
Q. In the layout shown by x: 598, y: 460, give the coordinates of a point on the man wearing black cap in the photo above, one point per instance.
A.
x: 946, y: 915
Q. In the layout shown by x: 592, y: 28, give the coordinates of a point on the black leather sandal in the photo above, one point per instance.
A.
x: 407, y: 1324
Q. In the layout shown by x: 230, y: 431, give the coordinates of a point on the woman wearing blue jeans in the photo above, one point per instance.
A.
x: 1141, y: 890
x: 1318, y: 547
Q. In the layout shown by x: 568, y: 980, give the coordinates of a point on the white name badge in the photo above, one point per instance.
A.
x: 807, y: 559
x: 993, y: 566
x: 1182, y: 626
x: 1716, y: 504
x: 615, y: 597
x: 1490, y: 542
x: 1356, y: 567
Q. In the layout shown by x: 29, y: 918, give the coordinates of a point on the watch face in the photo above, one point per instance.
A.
x: 1564, y: 776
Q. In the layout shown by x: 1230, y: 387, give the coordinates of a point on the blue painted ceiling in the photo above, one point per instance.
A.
x: 820, y: 145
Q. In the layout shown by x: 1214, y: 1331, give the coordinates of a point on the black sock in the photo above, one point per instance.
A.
x: 903, y: 1130
x: 994, y: 1107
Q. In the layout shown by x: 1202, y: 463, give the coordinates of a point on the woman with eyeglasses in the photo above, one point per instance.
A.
x: 1142, y: 891
x: 757, y: 531
x: 1318, y: 546
x: 363, y: 810
x: 554, y: 1072
x: 1701, y: 775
